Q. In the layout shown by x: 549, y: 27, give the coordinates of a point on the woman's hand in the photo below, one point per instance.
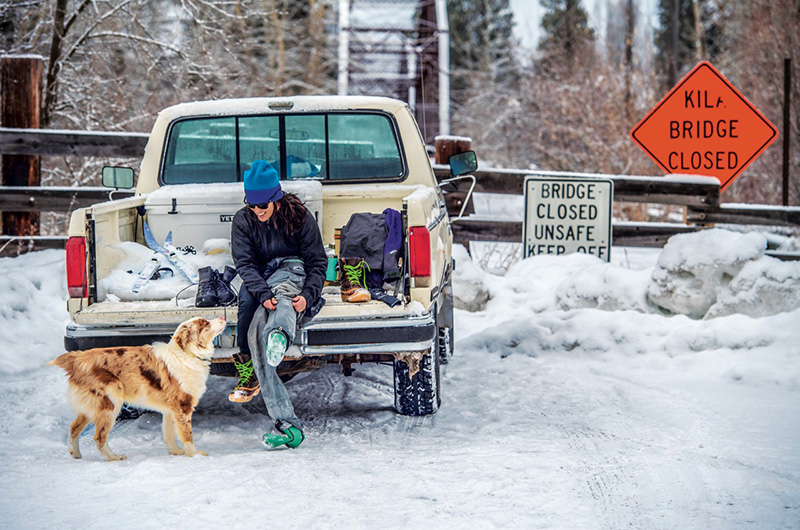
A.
x: 271, y: 304
x: 299, y: 303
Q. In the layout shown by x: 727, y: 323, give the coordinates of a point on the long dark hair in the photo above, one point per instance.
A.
x: 290, y: 214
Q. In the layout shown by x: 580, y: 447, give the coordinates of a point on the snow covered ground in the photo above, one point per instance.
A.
x: 661, y: 390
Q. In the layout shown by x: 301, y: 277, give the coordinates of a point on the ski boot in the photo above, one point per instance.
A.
x: 291, y: 437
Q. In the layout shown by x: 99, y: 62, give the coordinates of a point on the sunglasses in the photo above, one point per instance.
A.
x: 262, y: 206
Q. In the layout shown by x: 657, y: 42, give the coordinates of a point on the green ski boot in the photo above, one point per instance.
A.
x: 276, y: 347
x: 291, y: 437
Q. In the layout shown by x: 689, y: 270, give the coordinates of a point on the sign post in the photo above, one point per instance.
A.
x: 567, y: 215
x: 704, y: 126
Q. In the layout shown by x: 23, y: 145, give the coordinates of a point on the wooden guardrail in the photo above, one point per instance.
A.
x: 54, y: 198
x: 47, y: 199
x: 75, y: 143
x: 700, y: 197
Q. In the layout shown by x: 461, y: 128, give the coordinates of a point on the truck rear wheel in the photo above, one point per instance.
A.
x: 419, y: 395
x: 444, y: 320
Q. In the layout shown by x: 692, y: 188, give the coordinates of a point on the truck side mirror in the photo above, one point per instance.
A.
x: 118, y: 177
x: 463, y: 163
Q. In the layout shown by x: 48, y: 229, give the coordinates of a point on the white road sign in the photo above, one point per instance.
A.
x: 566, y: 215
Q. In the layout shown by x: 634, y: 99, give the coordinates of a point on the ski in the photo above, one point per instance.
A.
x: 169, y: 251
x: 146, y: 273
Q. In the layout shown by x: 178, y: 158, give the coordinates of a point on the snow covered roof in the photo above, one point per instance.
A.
x: 279, y: 104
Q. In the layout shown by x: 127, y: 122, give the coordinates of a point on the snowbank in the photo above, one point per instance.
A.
x: 694, y: 269
x: 707, y: 274
x: 713, y: 291
x: 33, y: 309
x: 469, y: 291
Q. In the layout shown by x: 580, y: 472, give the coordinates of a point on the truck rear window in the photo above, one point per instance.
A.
x: 348, y: 146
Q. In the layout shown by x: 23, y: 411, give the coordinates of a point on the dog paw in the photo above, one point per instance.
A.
x: 177, y: 452
x: 75, y: 454
x: 114, y: 458
x: 194, y: 452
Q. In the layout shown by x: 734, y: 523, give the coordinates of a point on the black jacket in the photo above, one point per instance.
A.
x: 254, y: 244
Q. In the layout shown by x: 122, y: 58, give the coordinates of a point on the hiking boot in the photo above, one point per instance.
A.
x: 225, y: 294
x: 206, y: 288
x: 248, y: 386
x: 291, y: 437
x: 276, y: 347
x: 354, y: 285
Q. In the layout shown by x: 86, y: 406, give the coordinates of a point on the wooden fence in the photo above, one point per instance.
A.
x: 699, y: 197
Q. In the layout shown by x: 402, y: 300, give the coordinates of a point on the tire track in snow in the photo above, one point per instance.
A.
x: 612, y: 438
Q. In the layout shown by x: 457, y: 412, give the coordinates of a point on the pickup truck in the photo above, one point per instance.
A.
x: 341, y: 155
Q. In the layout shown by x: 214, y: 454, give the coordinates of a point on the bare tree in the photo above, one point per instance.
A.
x: 113, y: 64
x: 760, y: 35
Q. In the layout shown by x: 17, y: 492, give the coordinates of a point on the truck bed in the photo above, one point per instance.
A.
x: 339, y: 328
x: 166, y: 312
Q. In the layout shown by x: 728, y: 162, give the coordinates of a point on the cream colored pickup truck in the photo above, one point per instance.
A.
x: 341, y: 155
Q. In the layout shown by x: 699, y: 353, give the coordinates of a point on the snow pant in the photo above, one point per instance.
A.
x: 286, y: 282
x: 273, y: 391
x: 289, y: 272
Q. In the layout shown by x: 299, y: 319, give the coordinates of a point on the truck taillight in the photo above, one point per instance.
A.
x: 77, y: 285
x: 419, y: 249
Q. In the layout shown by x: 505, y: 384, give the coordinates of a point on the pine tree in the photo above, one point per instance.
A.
x: 568, y: 41
x: 689, y: 31
x: 482, y: 45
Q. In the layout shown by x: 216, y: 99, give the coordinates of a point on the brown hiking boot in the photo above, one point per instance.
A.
x: 354, y: 284
x: 248, y: 386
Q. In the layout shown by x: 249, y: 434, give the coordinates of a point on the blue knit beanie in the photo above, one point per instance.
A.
x: 261, y: 183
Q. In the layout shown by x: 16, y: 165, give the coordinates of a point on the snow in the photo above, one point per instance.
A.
x: 262, y: 104
x: 452, y: 138
x: 573, y: 401
x: 227, y: 193
x: 117, y: 285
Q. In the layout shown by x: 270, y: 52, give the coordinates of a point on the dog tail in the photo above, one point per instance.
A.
x: 65, y: 361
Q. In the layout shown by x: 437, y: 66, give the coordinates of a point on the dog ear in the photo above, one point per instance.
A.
x: 182, y: 336
x: 203, y: 328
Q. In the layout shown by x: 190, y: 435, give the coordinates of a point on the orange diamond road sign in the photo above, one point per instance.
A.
x: 704, y: 126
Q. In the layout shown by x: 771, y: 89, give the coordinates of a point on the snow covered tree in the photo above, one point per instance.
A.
x: 689, y: 31
x: 482, y: 46
x: 113, y: 64
x: 568, y: 41
x: 758, y: 37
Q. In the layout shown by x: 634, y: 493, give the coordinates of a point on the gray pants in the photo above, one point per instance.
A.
x: 276, y: 398
x: 286, y: 283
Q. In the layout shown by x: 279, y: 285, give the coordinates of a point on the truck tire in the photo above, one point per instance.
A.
x: 446, y: 341
x: 444, y: 321
x: 419, y: 395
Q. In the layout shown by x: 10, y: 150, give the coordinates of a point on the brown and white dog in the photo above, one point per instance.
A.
x: 168, y: 378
